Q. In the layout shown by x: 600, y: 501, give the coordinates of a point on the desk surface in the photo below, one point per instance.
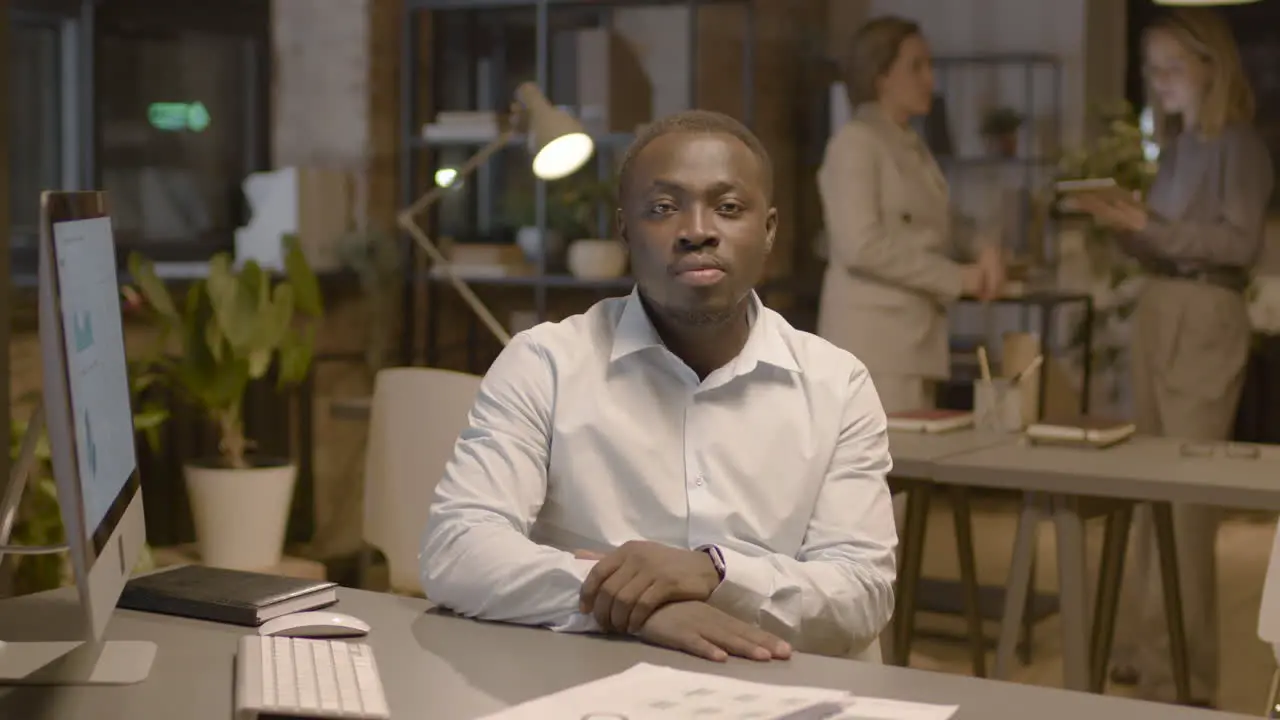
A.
x: 915, y: 453
x: 1144, y: 468
x: 446, y: 668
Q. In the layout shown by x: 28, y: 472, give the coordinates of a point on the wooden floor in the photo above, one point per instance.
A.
x: 1244, y: 546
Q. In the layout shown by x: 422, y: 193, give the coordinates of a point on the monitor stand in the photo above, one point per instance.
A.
x: 114, y: 662
x: 74, y: 662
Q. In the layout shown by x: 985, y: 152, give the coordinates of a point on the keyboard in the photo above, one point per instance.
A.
x: 280, y: 677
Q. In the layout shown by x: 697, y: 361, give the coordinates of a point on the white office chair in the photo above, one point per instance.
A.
x: 416, y: 417
x: 1269, y: 622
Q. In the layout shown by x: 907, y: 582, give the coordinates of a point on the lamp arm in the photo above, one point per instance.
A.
x: 407, y: 220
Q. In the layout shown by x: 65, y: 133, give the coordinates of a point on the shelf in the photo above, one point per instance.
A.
x: 503, y: 4
x: 609, y: 140
x: 549, y: 281
x: 996, y: 161
x: 997, y: 59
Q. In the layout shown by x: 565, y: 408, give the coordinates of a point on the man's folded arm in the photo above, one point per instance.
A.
x: 836, y: 596
x: 477, y: 559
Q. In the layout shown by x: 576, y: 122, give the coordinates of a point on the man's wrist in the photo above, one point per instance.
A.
x: 715, y: 562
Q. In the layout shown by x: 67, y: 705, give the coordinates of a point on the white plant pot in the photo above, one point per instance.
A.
x: 240, y: 515
x: 597, y: 259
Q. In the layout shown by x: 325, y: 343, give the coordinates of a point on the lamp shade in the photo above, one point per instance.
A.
x: 557, y: 140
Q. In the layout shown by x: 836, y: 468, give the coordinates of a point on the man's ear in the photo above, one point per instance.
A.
x: 622, y: 225
x: 770, y: 229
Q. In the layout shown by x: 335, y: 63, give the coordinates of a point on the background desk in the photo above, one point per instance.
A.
x: 1144, y: 469
x: 446, y: 668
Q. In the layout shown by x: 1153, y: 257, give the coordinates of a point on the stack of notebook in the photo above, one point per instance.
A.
x: 1081, y: 431
x: 227, y: 596
x: 930, y: 421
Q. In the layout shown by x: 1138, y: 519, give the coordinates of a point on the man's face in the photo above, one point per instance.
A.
x: 699, y: 225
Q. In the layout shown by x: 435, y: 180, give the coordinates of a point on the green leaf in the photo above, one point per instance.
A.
x: 152, y: 288
x: 305, y: 285
x: 295, y: 356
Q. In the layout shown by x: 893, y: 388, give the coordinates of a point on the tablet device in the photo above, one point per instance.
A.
x: 1106, y: 188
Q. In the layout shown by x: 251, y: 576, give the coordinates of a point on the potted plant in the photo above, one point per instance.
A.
x: 1118, y: 152
x: 233, y: 327
x: 1000, y: 131
x: 572, y: 205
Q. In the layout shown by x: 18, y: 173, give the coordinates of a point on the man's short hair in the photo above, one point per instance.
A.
x: 698, y: 121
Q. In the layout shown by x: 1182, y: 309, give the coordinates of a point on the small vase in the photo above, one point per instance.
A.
x: 534, y: 243
x: 240, y: 514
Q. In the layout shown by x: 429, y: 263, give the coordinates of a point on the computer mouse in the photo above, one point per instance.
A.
x: 315, y: 624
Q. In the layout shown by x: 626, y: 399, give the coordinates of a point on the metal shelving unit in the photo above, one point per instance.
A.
x: 1031, y: 167
x: 487, y: 69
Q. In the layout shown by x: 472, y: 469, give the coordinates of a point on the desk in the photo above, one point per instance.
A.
x: 915, y: 458
x: 446, y: 668
x: 1150, y: 470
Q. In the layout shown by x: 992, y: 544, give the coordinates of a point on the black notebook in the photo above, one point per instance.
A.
x: 228, y: 596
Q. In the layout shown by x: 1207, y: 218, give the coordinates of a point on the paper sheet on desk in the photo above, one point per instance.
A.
x: 652, y: 692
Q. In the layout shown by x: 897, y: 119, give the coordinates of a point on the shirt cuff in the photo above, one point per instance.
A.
x: 577, y: 622
x: 747, y: 584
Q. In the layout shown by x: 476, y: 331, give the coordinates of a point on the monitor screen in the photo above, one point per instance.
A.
x: 98, y: 379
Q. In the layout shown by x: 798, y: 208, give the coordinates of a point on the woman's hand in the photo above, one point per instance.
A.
x: 985, y: 278
x: 1120, y: 215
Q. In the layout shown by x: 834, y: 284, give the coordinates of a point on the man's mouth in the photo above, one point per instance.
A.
x: 703, y: 276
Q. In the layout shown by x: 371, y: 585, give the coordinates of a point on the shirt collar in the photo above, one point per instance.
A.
x: 872, y: 112
x: 635, y: 332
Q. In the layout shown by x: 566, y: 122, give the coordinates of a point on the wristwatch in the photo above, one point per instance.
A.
x: 717, y: 559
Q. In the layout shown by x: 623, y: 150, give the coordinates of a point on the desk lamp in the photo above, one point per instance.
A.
x: 559, y: 146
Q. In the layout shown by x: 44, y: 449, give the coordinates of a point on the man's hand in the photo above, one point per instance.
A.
x: 701, y: 630
x: 632, y: 582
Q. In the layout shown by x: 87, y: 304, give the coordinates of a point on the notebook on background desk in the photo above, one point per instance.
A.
x: 226, y: 596
x: 1081, y: 431
x: 930, y: 421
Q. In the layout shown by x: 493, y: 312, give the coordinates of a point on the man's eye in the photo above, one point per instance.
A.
x: 662, y: 208
x: 730, y: 208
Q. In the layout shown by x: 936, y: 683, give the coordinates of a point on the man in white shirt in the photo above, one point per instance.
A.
x: 680, y: 464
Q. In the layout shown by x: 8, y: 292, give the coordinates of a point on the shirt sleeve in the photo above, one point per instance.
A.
x: 836, y: 595
x: 1233, y: 236
x: 849, y: 185
x: 477, y: 559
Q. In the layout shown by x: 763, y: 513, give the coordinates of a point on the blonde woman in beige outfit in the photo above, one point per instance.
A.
x: 1198, y: 238
x: 892, y: 236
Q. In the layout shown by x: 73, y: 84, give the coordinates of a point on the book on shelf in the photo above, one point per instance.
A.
x: 930, y: 421
x: 1081, y: 430
x: 227, y: 596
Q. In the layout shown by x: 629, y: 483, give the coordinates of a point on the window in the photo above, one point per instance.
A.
x: 180, y: 108
x: 44, y: 127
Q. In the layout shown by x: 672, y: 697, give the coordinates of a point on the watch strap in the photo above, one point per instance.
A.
x: 717, y: 558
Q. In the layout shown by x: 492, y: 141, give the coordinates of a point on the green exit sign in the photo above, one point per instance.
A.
x: 177, y: 116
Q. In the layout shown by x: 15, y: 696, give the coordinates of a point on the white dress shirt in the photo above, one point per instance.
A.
x: 589, y: 433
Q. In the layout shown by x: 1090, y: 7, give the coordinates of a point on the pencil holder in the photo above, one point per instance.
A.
x: 997, y: 406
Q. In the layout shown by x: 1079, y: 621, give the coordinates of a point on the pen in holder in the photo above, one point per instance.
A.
x: 997, y: 405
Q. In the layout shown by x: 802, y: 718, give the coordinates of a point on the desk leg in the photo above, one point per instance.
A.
x: 1072, y: 592
x: 963, y: 515
x: 1018, y: 587
x: 1166, y: 544
x: 1273, y: 696
x: 918, y: 497
x: 1110, y: 573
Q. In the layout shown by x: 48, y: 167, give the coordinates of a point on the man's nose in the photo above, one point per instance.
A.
x: 699, y: 231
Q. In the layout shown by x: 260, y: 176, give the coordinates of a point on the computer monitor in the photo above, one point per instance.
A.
x: 89, y: 420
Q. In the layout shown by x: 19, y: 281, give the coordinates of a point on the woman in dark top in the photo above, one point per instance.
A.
x: 1197, y: 237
